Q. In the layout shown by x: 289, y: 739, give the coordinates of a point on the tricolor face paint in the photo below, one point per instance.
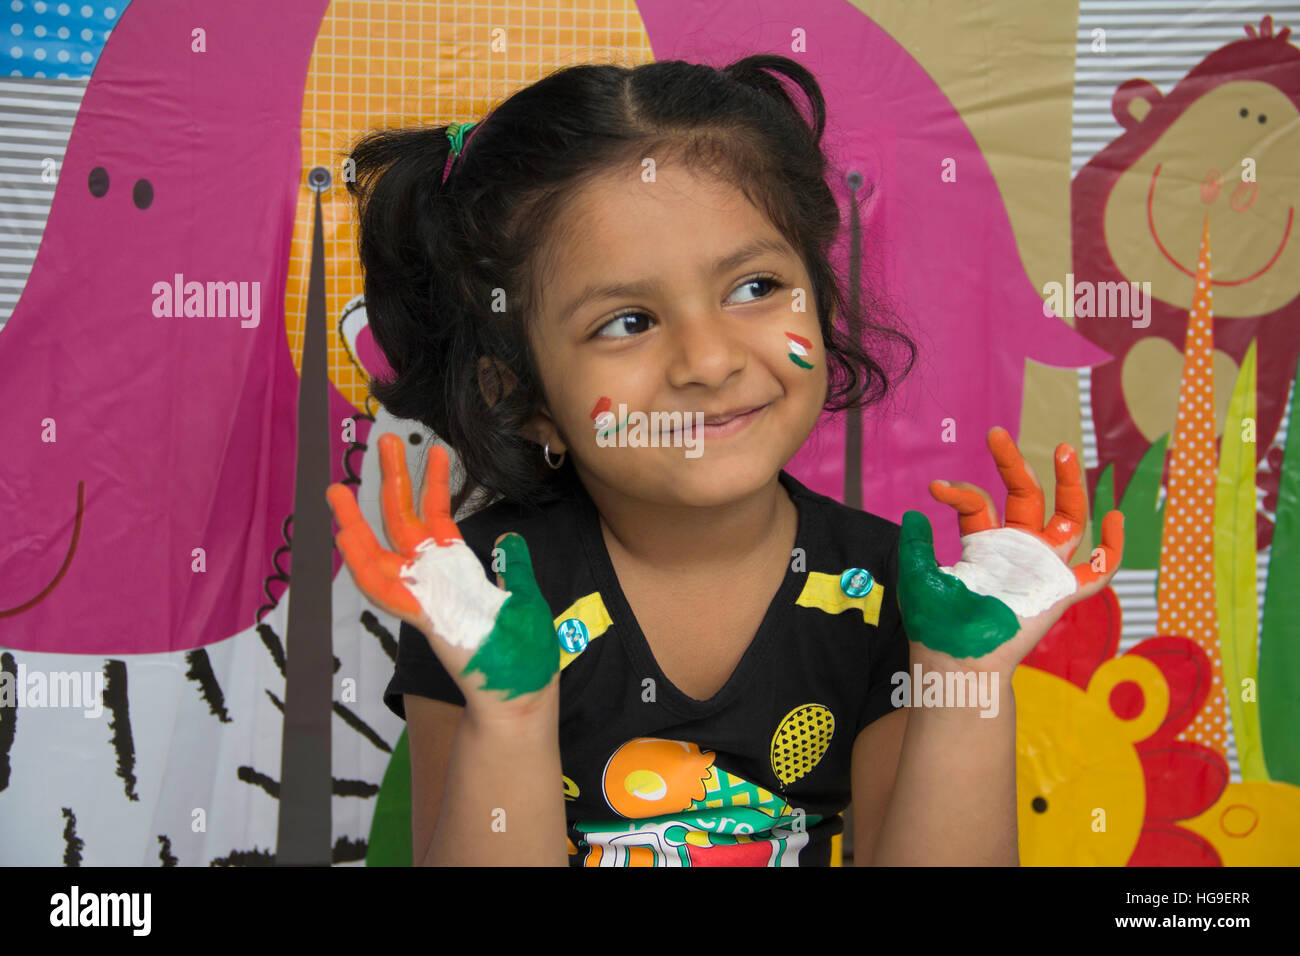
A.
x: 602, y: 418
x: 799, y: 349
x: 511, y: 631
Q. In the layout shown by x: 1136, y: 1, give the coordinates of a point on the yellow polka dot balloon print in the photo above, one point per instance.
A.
x: 800, y: 741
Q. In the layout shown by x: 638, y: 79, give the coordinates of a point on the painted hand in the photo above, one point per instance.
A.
x: 1012, y: 583
x: 435, y: 583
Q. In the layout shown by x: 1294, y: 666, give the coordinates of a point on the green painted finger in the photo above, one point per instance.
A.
x: 521, y: 653
x: 517, y: 566
x: 916, y: 546
x: 938, y: 610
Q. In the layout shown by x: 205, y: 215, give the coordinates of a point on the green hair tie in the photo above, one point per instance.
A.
x: 456, y: 133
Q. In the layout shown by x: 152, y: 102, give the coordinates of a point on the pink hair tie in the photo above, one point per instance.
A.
x: 456, y: 133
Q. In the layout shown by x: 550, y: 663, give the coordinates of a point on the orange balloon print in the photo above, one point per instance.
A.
x: 647, y: 777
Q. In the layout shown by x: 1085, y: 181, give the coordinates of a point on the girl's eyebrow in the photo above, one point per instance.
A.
x: 616, y: 290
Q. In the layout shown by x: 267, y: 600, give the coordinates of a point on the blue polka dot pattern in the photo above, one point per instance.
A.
x: 57, y: 39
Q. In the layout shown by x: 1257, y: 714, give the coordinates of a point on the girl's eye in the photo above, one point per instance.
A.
x: 622, y: 324
x: 760, y: 281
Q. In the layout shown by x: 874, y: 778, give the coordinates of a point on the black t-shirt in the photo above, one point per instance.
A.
x: 756, y: 775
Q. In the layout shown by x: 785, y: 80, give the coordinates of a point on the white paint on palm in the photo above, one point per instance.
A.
x: 1017, y: 568
x: 449, y: 584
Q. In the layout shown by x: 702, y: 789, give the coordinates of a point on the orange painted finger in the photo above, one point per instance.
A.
x: 377, y: 572
x: 436, y: 506
x: 404, y: 528
x: 975, y: 511
x: 1071, y: 502
x: 364, y: 547
x: 344, y: 506
x: 362, y: 550
x: 1112, y: 551
x: 1025, y: 505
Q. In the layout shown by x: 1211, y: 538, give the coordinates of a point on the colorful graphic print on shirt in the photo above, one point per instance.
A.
x: 689, y: 812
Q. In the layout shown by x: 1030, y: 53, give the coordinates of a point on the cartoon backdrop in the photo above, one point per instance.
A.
x: 184, y: 354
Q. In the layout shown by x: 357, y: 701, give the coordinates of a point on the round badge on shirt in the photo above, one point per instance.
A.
x: 573, y: 635
x: 855, y: 582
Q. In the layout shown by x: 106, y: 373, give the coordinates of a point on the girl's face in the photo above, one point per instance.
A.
x: 675, y: 295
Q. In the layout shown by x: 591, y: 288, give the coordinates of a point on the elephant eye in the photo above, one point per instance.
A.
x: 142, y: 194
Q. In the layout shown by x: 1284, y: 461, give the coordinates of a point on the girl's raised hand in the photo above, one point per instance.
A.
x: 435, y: 583
x: 1012, y: 583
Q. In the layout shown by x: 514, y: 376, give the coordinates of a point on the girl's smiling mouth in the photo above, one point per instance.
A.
x: 725, y: 423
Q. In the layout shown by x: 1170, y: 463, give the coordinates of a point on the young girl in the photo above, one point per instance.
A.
x: 695, y: 660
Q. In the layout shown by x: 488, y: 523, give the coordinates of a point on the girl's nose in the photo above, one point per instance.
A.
x: 706, y: 350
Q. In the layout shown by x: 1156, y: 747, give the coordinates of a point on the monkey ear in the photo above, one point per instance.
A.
x: 1133, y: 102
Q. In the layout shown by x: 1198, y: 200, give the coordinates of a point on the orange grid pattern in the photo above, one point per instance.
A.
x: 393, y: 64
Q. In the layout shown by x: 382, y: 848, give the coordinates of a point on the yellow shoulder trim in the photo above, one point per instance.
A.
x: 590, y: 610
x: 823, y: 591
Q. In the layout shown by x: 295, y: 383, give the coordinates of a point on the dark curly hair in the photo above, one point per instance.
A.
x: 440, y: 256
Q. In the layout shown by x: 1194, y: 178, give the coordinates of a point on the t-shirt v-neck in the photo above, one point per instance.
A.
x: 633, y: 639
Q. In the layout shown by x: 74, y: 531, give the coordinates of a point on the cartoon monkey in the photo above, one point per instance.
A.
x: 1225, y: 142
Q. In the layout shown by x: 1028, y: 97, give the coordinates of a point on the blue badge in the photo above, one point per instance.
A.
x: 856, y: 582
x: 573, y: 635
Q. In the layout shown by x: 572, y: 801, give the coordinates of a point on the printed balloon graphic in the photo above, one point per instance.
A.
x: 800, y: 741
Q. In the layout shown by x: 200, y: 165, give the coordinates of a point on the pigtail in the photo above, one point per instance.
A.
x: 407, y: 254
x: 753, y: 71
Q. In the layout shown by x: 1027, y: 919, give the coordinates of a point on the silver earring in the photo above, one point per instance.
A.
x: 546, y: 453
